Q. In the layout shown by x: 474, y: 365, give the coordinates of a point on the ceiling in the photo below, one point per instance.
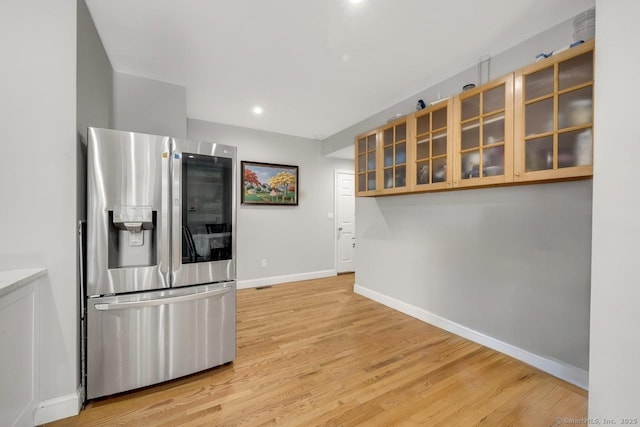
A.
x: 315, y: 67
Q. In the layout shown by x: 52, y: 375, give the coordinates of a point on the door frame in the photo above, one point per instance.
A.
x: 335, y: 212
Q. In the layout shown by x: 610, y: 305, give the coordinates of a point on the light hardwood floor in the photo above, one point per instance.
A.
x: 314, y: 353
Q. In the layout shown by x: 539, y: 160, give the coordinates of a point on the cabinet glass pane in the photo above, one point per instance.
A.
x: 470, y: 107
x: 388, y: 178
x: 575, y: 71
x: 401, y: 176
x: 470, y: 165
x: 470, y: 135
x: 440, y: 118
x: 538, y: 154
x: 362, y: 163
x: 401, y: 132
x: 539, y: 117
x: 440, y: 143
x: 493, y: 100
x: 401, y: 153
x: 574, y: 148
x: 371, y: 181
x: 423, y: 173
x: 371, y: 160
x: 362, y: 182
x: 371, y: 142
x: 575, y: 108
x: 439, y: 169
x: 423, y: 149
x: 493, y: 161
x: 388, y: 156
x: 387, y: 138
x: 362, y: 145
x: 538, y: 84
x: 422, y: 124
x: 493, y: 129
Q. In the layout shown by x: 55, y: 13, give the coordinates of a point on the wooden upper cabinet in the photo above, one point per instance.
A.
x: 366, y: 164
x: 393, y: 157
x: 532, y: 125
x: 432, y: 147
x: 483, y: 140
x: 554, y: 117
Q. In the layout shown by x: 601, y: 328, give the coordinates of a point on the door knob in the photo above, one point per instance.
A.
x: 340, y: 229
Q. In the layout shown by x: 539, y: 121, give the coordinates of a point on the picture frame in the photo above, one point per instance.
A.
x: 268, y: 184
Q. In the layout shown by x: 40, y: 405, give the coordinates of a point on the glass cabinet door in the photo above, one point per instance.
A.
x: 432, y: 147
x: 554, y: 100
x: 366, y: 161
x: 484, y: 145
x: 394, y: 156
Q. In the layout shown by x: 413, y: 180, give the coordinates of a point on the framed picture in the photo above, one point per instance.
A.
x: 269, y: 184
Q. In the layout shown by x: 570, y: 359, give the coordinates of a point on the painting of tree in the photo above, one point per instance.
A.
x: 250, y: 176
x: 269, y: 184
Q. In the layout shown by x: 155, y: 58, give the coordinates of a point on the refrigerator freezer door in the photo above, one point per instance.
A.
x: 142, y: 339
x: 128, y: 212
x: 203, y: 212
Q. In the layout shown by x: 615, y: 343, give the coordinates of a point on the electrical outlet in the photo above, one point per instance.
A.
x: 263, y: 263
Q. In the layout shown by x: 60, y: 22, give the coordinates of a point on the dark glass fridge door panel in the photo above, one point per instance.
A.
x: 203, y: 219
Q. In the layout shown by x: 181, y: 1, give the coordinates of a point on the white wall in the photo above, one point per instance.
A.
x: 615, y: 314
x: 297, y: 242
x: 510, y: 264
x: 149, y: 106
x: 38, y: 174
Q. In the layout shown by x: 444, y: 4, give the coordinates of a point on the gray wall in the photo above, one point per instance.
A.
x: 512, y: 263
x: 500, y: 65
x: 38, y: 173
x: 293, y: 240
x: 615, y: 343
x: 94, y: 102
x: 94, y: 77
x: 149, y: 106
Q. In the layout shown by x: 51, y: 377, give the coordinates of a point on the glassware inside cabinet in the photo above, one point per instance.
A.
x: 493, y: 129
x: 432, y: 145
x: 483, y: 131
x: 539, y: 154
x: 575, y: 108
x: 557, y: 107
x: 574, y: 148
x: 539, y: 117
x: 366, y: 166
x: 394, y: 156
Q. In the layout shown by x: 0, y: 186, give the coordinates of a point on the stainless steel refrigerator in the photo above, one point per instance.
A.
x: 160, y: 259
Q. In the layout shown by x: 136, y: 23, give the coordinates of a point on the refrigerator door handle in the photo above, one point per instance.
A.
x: 162, y: 301
x: 165, y: 238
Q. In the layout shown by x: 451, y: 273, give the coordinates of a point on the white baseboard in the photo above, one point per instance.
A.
x: 275, y: 280
x: 564, y: 371
x: 58, y: 408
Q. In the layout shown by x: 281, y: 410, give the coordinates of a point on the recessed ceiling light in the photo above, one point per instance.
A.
x: 355, y: 1
x: 257, y: 110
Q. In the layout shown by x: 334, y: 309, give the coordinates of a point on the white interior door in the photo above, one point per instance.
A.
x: 346, y: 221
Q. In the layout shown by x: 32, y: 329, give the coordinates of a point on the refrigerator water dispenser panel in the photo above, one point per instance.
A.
x: 132, y: 231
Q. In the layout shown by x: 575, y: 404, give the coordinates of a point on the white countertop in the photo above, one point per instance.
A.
x: 10, y: 280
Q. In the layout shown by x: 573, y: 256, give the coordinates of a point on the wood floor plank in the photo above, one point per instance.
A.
x: 314, y: 353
